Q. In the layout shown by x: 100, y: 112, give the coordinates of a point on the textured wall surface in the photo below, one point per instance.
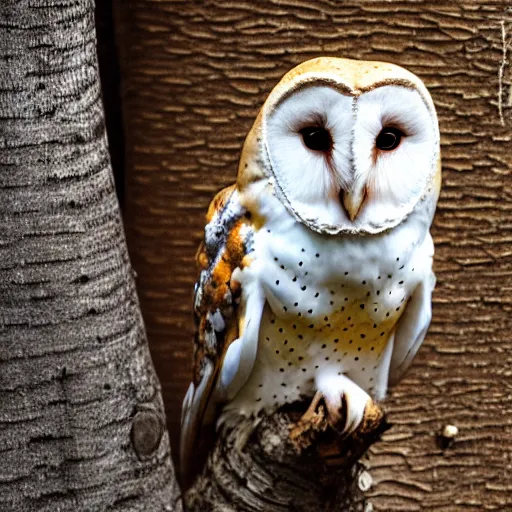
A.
x: 195, y: 74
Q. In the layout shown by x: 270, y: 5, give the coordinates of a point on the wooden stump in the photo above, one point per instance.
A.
x: 286, y: 462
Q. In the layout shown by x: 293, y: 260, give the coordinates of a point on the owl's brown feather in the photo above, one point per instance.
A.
x: 215, y: 307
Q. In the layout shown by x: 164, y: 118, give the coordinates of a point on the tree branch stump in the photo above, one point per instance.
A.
x: 283, y: 463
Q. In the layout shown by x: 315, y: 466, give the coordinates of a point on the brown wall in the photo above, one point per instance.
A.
x: 195, y: 73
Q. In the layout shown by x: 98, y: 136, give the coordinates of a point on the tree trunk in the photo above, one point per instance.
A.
x: 194, y: 77
x: 81, y: 415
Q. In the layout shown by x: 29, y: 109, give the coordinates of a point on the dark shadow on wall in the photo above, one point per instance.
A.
x: 111, y: 91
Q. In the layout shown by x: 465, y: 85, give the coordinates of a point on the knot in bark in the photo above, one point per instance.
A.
x: 147, y: 432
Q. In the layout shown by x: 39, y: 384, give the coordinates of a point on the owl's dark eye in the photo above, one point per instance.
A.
x: 316, y: 138
x: 389, y: 139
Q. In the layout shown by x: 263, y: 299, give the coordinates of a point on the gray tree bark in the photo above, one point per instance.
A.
x: 81, y: 415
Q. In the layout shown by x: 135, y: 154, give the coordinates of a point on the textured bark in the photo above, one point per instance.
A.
x: 195, y: 74
x: 283, y: 463
x: 81, y: 415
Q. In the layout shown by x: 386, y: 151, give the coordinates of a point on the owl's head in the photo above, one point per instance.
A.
x: 350, y: 146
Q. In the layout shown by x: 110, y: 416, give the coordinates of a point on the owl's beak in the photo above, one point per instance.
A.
x: 352, y: 202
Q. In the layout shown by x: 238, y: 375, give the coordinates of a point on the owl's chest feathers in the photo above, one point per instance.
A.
x: 325, y: 303
x: 331, y: 304
x: 307, y: 276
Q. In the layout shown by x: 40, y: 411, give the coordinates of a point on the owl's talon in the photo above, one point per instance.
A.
x: 311, y: 411
x: 312, y: 420
x: 337, y: 416
x: 345, y: 401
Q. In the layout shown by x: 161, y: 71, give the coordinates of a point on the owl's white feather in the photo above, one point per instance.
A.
x: 396, y: 180
x: 391, y: 183
x: 307, y: 175
x: 241, y: 354
x: 412, y: 328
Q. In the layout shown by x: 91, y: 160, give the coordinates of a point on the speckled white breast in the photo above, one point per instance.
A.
x: 332, y: 304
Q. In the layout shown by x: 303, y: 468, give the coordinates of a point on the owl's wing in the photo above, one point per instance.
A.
x: 412, y: 328
x: 227, y: 324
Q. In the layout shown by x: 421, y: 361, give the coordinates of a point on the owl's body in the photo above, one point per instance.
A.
x: 332, y: 305
x: 317, y: 264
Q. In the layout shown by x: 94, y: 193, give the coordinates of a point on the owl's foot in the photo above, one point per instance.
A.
x: 313, y: 420
x: 341, y: 405
x: 348, y: 411
x: 345, y: 401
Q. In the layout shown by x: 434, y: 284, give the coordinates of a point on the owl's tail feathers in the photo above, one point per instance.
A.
x: 197, y: 428
x: 188, y: 433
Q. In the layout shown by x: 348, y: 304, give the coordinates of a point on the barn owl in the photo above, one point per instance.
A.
x: 316, y: 266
